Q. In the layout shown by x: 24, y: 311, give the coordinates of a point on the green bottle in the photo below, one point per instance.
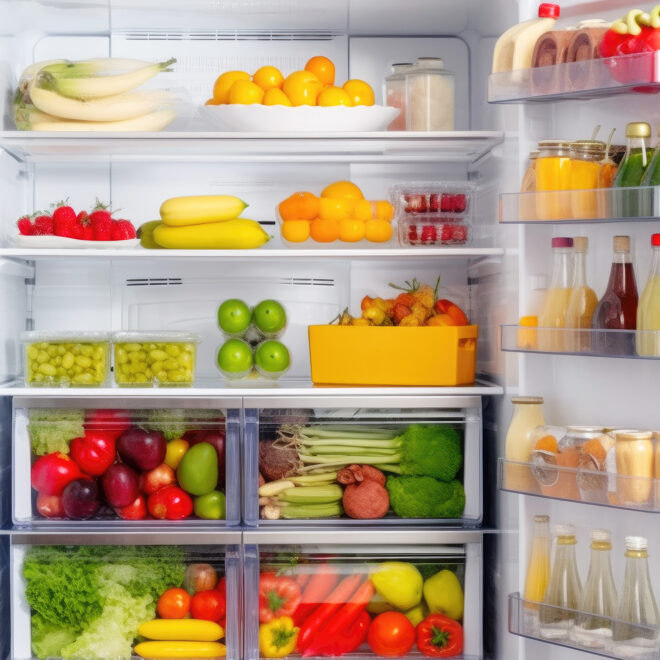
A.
x: 633, y: 203
x: 652, y: 176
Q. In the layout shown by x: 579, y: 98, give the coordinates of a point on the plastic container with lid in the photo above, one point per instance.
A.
x: 553, y: 173
x: 429, y: 96
x: 395, y: 94
x: 144, y: 359
x: 66, y: 359
x: 634, y: 466
x: 586, y: 157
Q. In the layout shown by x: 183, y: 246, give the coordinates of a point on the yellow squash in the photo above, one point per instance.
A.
x: 191, y: 630
x: 181, y: 649
x: 199, y: 209
x: 238, y: 234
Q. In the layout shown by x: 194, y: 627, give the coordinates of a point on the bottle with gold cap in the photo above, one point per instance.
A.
x: 582, y: 301
x: 631, y: 203
x: 652, y: 175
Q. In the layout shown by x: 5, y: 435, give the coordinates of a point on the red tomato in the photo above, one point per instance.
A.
x: 94, y: 453
x: 170, y: 503
x: 173, y: 604
x: 160, y: 476
x: 50, y: 506
x: 51, y: 473
x: 136, y: 510
x: 391, y: 634
x: 114, y: 422
x: 208, y: 605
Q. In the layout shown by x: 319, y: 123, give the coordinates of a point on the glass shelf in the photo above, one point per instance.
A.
x: 578, y: 206
x: 577, y: 80
x: 525, y: 621
x: 577, y: 484
x: 585, y: 342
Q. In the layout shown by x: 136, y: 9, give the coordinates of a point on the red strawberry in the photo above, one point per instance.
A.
x: 459, y: 233
x: 122, y: 230
x: 102, y: 224
x: 64, y: 222
x: 415, y: 203
x: 84, y: 226
x: 429, y: 234
x: 43, y: 225
x: 447, y: 203
x: 434, y: 203
x: 460, y: 203
x: 413, y: 238
x: 25, y: 226
x: 447, y: 233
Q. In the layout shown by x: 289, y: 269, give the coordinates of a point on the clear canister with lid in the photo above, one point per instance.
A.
x: 430, y: 92
x: 395, y: 94
x: 553, y: 173
x: 586, y: 158
x: 634, y: 466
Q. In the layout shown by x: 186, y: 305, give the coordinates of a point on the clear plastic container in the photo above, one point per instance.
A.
x: 429, y: 96
x: 395, y: 94
x: 66, y: 359
x: 155, y: 358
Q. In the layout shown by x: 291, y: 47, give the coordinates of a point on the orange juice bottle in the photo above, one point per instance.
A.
x: 582, y: 301
x: 538, y: 568
x: 553, y: 172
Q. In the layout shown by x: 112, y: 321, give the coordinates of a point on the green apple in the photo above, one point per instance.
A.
x: 272, y: 358
x: 235, y: 358
x: 234, y: 316
x: 269, y: 317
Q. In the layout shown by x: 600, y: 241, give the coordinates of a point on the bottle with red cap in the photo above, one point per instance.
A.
x: 648, y: 310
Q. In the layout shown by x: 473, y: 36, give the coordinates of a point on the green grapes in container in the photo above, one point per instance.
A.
x: 159, y: 359
x: 66, y: 359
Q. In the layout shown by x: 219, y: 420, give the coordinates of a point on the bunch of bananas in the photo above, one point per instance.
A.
x: 203, y: 222
x: 91, y: 95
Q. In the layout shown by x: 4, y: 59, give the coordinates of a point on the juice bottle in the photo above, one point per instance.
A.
x: 582, y: 301
x: 538, y: 570
x: 553, y: 172
x: 527, y: 415
x: 555, y: 305
x: 633, y: 203
x: 648, y: 310
x: 586, y: 157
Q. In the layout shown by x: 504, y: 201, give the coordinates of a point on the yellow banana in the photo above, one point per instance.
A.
x: 237, y: 234
x: 176, y: 649
x: 198, y: 209
x: 192, y: 630
x: 152, y: 121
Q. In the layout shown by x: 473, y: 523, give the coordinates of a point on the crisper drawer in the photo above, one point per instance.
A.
x: 362, y: 593
x: 90, y: 600
x: 126, y: 460
x: 362, y: 460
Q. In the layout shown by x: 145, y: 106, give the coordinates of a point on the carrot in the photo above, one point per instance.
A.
x: 320, y: 616
x: 319, y: 586
x: 301, y: 579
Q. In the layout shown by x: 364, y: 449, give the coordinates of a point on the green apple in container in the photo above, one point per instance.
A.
x: 235, y: 358
x: 271, y: 358
x: 269, y: 318
x: 234, y: 317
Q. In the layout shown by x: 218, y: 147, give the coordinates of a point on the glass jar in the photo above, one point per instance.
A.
x: 586, y: 156
x: 527, y: 205
x: 395, y: 94
x: 429, y: 96
x: 634, y: 466
x: 656, y: 473
x: 520, y: 438
x: 553, y: 172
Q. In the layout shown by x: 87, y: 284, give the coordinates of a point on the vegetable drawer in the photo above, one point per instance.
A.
x: 93, y: 601
x: 80, y: 462
x: 377, y: 594
x: 362, y: 460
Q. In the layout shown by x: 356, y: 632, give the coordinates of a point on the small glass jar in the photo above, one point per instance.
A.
x: 395, y: 94
x: 586, y: 157
x: 634, y: 466
x: 570, y: 447
x: 553, y: 173
x: 527, y: 205
x: 429, y: 96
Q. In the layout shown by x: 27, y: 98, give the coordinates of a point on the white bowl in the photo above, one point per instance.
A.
x: 75, y: 243
x: 265, y: 118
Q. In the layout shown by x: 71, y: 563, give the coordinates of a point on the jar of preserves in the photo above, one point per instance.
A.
x: 634, y: 466
x: 586, y: 157
x: 553, y: 173
x: 395, y: 94
x: 429, y: 96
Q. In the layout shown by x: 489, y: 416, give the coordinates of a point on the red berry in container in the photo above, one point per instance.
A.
x: 429, y: 234
x: 446, y: 233
x: 447, y: 203
x: 460, y: 203
x: 65, y: 222
x: 434, y: 203
x: 459, y: 233
x: 122, y: 230
x: 413, y: 237
x: 415, y: 203
x: 43, y: 226
x: 101, y: 223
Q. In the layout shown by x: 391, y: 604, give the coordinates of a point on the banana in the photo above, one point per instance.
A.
x: 237, y: 234
x: 191, y: 630
x: 199, y: 209
x: 176, y: 649
x: 146, y: 235
x: 312, y: 494
x: 152, y: 121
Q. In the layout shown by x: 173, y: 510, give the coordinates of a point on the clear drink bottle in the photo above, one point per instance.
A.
x: 648, y: 310
x: 538, y: 571
x: 582, y: 301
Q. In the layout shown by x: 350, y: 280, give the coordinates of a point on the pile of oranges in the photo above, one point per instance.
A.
x: 341, y: 213
x: 314, y: 85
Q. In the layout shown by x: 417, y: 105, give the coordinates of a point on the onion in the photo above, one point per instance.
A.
x: 200, y: 577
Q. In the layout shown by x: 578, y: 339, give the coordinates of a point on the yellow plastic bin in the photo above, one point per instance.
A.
x: 373, y: 355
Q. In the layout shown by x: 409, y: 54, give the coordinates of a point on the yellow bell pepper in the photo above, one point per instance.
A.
x: 444, y: 595
x: 278, y: 637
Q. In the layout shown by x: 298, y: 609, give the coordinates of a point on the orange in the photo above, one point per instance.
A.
x: 245, y: 93
x: 211, y: 102
x: 343, y: 190
x: 299, y: 206
x: 296, y: 231
x: 224, y: 82
x: 351, y: 230
x: 359, y: 92
x: 334, y: 96
x: 362, y: 210
x: 322, y: 68
x: 331, y: 208
x: 384, y: 210
x: 276, y: 96
x: 268, y: 77
x: 378, y: 231
x: 324, y: 231
x: 302, y: 88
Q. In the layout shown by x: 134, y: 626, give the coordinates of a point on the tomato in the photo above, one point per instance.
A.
x: 136, y: 510
x: 160, y: 476
x: 173, y: 604
x: 114, y: 422
x: 170, y: 503
x: 391, y: 634
x: 50, y: 506
x: 209, y: 605
x: 94, y: 453
x: 278, y: 596
x: 51, y: 473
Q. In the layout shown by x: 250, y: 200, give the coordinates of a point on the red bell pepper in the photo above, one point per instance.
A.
x: 348, y: 639
x: 51, y: 473
x: 278, y: 596
x: 94, y: 452
x: 438, y: 636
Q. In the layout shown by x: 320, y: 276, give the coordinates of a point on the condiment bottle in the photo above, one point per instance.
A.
x: 429, y: 96
x: 648, y: 309
x: 634, y: 466
x: 556, y: 616
x: 636, y: 605
x: 553, y: 172
x: 652, y: 174
x: 586, y: 157
x: 527, y: 205
x: 656, y: 471
x: 599, y: 596
x: 633, y: 203
x: 617, y: 309
x: 395, y: 94
x: 538, y: 569
x: 582, y: 301
x: 527, y: 416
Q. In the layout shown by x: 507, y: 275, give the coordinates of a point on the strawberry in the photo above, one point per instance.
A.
x: 447, y: 203
x: 413, y: 238
x: 64, y: 222
x: 434, y: 203
x: 25, y: 226
x: 429, y: 234
x: 415, y: 203
x: 459, y: 233
x: 460, y: 203
x: 102, y: 224
x: 122, y: 230
x: 43, y: 225
x: 446, y: 233
x: 84, y: 226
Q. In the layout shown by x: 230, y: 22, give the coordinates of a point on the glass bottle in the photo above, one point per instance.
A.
x: 527, y: 416
x: 586, y: 156
x: 636, y: 604
x: 582, y: 301
x: 617, y: 309
x: 538, y: 570
x: 648, y: 310
x: 652, y: 174
x: 634, y: 467
x: 429, y: 96
x: 599, y: 595
x: 632, y: 203
x: 555, y: 304
x: 553, y: 172
x: 562, y: 597
x: 395, y: 94
x: 527, y: 204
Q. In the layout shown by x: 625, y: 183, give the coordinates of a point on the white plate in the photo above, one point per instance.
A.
x: 256, y: 117
x: 63, y: 242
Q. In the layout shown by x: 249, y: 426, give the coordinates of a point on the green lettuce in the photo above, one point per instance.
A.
x: 49, y: 640
x: 53, y: 429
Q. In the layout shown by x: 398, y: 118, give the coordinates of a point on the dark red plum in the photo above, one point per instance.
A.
x: 143, y: 450
x: 80, y: 499
x: 120, y: 485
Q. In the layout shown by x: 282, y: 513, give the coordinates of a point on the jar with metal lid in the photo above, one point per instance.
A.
x: 553, y: 173
x: 586, y: 157
x: 395, y: 94
x: 634, y: 466
x: 429, y: 96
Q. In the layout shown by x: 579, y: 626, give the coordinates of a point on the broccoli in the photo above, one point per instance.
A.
x: 425, y: 497
x: 431, y: 451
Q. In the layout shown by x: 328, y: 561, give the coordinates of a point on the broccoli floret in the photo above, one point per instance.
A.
x: 425, y: 497
x: 431, y: 451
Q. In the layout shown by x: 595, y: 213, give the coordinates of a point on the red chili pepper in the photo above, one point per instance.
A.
x: 350, y: 638
x: 438, y: 636
x: 320, y: 584
x: 52, y: 472
x: 94, y: 452
x: 278, y: 596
